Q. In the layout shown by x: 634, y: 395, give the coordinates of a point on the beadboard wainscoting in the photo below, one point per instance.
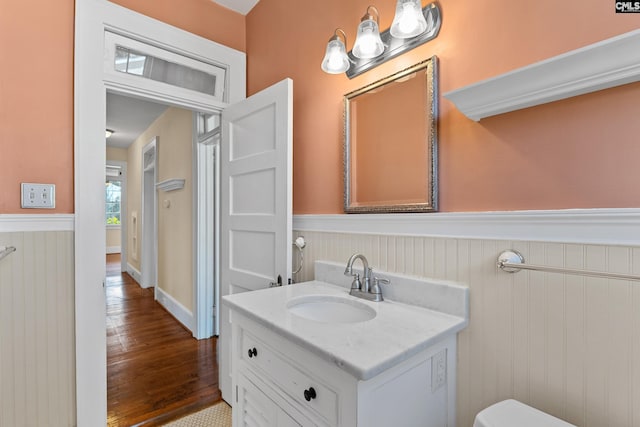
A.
x: 568, y: 345
x: 37, y: 341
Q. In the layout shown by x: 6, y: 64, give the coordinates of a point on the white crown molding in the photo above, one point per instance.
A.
x: 12, y: 223
x: 608, y: 63
x: 585, y: 226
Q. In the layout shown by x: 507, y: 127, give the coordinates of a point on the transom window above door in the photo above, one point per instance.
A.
x: 148, y: 65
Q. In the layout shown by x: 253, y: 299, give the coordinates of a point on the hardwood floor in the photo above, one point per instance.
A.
x: 156, y: 371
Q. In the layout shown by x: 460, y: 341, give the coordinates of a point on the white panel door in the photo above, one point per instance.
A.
x: 256, y: 201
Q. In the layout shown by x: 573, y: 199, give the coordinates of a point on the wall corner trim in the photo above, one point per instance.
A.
x: 11, y: 223
x: 584, y: 226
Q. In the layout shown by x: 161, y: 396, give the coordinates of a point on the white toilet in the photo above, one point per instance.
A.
x: 511, y: 413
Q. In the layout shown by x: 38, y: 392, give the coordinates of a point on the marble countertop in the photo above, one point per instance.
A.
x: 363, y: 349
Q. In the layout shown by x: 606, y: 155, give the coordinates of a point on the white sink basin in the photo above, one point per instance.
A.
x: 330, y: 309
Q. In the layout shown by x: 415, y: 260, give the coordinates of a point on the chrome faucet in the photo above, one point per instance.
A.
x: 364, y: 289
x: 367, y: 273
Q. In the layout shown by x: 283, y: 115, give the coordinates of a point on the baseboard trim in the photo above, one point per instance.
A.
x: 177, y: 310
x: 133, y: 272
x: 113, y: 249
x: 584, y: 226
x: 16, y: 223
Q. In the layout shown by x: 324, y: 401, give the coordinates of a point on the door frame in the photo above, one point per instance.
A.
x: 149, y: 219
x: 92, y: 19
x: 206, y: 222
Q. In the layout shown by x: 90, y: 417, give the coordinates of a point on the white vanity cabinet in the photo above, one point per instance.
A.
x: 281, y: 383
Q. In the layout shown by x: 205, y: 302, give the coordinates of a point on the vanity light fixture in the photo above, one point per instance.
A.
x: 108, y: 133
x: 368, y: 42
x: 412, y: 26
x: 335, y: 59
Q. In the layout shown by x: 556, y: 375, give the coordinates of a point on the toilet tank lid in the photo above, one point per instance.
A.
x: 510, y: 413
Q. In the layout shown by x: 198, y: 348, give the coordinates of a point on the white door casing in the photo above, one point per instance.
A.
x: 149, y: 225
x: 256, y: 201
x: 92, y: 19
x: 206, y: 221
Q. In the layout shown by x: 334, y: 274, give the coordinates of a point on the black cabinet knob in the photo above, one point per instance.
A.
x: 252, y: 352
x: 309, y: 394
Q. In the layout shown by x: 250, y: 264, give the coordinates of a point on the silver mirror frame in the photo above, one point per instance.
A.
x: 431, y: 109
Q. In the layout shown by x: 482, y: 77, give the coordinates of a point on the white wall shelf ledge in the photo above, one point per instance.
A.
x: 170, y: 184
x: 608, y: 63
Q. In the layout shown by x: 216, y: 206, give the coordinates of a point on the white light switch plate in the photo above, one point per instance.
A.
x: 38, y: 195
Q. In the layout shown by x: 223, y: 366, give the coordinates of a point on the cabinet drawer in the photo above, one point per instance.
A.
x: 302, y: 387
x: 255, y: 409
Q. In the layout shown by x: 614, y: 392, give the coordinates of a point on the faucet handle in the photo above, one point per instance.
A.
x: 375, y: 288
x: 378, y: 280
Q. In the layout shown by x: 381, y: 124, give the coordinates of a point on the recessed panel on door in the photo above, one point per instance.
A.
x: 246, y: 257
x: 258, y: 128
x: 261, y: 184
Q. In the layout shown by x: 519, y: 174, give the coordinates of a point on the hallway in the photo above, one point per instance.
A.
x: 156, y: 370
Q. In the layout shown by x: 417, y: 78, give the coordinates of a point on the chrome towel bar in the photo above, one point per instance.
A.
x: 6, y: 250
x: 512, y: 261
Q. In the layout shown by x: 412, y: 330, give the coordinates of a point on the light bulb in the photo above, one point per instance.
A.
x: 409, y: 20
x: 335, y: 59
x: 368, y: 43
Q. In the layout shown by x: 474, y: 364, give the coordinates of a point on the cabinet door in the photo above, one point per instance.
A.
x: 255, y: 409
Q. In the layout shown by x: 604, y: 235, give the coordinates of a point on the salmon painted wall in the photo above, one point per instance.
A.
x: 36, y: 86
x: 577, y: 153
x: 36, y: 101
x: 202, y: 17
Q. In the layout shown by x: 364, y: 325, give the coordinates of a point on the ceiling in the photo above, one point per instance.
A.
x: 129, y: 117
x: 240, y: 6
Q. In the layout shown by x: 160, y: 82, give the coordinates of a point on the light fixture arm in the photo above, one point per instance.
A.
x: 336, y: 36
x: 368, y: 15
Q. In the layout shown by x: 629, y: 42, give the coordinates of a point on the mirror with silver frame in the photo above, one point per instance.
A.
x: 390, y: 143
